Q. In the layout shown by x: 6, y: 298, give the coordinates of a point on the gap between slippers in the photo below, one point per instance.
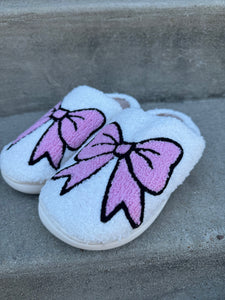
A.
x: 36, y: 154
x: 116, y: 185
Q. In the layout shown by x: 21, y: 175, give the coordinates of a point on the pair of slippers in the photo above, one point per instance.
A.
x: 104, y: 168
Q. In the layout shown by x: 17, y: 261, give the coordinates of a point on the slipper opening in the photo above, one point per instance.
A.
x: 125, y: 101
x: 122, y: 102
x: 177, y: 115
x: 169, y: 115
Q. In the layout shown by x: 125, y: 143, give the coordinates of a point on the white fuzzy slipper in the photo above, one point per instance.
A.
x: 117, y: 185
x: 36, y: 154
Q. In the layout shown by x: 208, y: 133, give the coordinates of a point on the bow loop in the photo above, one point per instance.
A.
x: 153, y: 162
x: 104, y: 142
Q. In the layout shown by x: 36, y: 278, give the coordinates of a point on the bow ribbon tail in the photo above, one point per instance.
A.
x: 82, y: 170
x: 123, y: 192
x: 50, y: 146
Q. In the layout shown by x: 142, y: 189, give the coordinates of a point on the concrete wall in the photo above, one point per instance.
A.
x: 162, y: 53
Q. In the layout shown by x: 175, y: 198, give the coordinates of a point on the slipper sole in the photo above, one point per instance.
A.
x: 27, y: 188
x: 58, y: 232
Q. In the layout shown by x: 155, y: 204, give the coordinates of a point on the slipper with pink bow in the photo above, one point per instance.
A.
x: 116, y: 185
x: 36, y: 154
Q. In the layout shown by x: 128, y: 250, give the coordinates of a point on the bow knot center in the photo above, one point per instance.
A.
x: 59, y: 114
x: 122, y: 150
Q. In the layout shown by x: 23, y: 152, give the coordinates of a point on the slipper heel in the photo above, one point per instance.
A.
x: 170, y: 113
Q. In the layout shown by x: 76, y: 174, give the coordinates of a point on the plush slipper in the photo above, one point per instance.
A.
x: 36, y: 154
x: 117, y: 185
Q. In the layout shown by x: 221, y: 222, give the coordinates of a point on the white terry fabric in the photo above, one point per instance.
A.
x: 170, y: 113
x: 77, y: 212
x: 14, y: 162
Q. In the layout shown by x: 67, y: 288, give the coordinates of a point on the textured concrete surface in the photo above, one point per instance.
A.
x: 15, y: 7
x: 156, y: 50
x: 181, y: 256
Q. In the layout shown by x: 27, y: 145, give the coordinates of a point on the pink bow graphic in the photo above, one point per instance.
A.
x: 69, y: 129
x: 141, y: 167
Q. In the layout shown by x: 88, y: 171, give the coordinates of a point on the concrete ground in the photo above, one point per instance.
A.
x: 181, y: 256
